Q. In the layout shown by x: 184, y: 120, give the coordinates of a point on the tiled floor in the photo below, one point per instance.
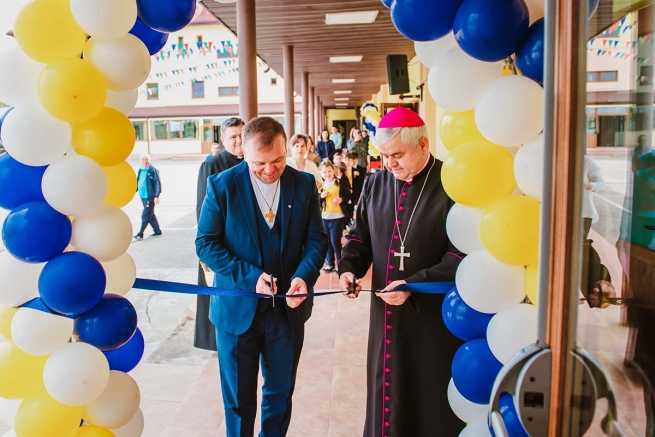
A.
x: 185, y: 401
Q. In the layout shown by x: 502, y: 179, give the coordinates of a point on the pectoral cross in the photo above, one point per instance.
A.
x: 402, y: 254
x: 270, y: 216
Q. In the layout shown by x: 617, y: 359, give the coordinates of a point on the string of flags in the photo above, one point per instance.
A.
x: 621, y: 55
x: 223, y: 49
x: 154, y: 90
x: 608, y: 42
x: 194, y: 69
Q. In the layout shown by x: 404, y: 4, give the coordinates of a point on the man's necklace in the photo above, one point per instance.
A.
x: 402, y: 254
x: 270, y: 216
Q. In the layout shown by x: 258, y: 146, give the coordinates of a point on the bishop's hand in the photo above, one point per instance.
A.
x: 345, y: 285
x: 394, y: 298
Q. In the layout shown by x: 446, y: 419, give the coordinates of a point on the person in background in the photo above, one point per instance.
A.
x: 358, y: 175
x: 357, y: 146
x: 325, y: 147
x: 334, y: 207
x: 344, y: 181
x: 366, y: 138
x: 298, y: 146
x: 337, y: 139
x: 215, y: 150
x: 230, y: 137
x: 149, y: 187
x: 593, y: 182
x: 353, y: 136
x: 311, y: 150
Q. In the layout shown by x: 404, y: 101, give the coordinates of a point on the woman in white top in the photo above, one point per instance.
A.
x: 593, y: 181
x: 298, y: 160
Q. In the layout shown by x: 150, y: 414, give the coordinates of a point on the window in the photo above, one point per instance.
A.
x: 198, y: 89
x: 152, y: 89
x: 180, y: 41
x: 224, y: 91
x: 140, y: 130
x: 273, y: 81
x: 602, y: 76
x: 646, y: 74
x: 591, y: 125
x: 175, y: 129
x: 200, y: 39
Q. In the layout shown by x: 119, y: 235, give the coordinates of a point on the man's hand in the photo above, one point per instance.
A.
x: 394, y: 297
x: 345, y: 281
x: 156, y: 200
x: 298, y: 286
x: 264, y: 285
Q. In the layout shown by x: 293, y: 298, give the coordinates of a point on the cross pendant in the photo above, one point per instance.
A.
x: 402, y: 254
x: 269, y: 216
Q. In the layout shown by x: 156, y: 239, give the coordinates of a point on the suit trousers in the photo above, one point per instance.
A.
x: 274, y: 342
x: 148, y: 217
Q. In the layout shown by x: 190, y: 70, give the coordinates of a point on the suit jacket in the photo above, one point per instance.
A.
x: 325, y: 149
x: 211, y: 166
x: 228, y: 242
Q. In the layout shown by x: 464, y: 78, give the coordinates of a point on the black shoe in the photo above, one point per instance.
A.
x: 156, y: 234
x: 138, y: 237
x: 328, y: 269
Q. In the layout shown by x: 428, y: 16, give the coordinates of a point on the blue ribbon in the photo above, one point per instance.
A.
x: 177, y: 287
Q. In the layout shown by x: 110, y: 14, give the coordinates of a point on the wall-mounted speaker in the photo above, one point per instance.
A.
x: 397, y: 74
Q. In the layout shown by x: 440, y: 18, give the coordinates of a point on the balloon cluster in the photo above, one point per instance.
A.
x: 371, y: 117
x: 71, y: 76
x: 492, y: 128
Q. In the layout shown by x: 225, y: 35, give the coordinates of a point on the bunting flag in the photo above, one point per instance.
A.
x: 622, y: 55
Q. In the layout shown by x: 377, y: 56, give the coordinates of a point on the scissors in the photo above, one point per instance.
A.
x: 272, y: 284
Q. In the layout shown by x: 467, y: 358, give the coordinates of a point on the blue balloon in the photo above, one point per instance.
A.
x: 19, y: 183
x: 126, y: 357
x: 511, y: 417
x: 72, y: 283
x: 153, y: 39
x: 463, y: 321
x: 387, y: 3
x: 36, y: 233
x: 166, y: 15
x: 491, y: 30
x: 2, y: 119
x: 474, y: 370
x: 108, y: 325
x: 530, y: 55
x: 424, y: 20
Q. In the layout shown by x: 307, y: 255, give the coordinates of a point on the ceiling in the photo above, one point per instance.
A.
x: 301, y: 23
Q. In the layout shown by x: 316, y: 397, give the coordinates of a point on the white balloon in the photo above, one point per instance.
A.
x: 510, y: 112
x: 105, y: 234
x: 74, y: 185
x: 19, y: 75
x: 117, y: 405
x: 121, y: 274
x: 511, y: 330
x: 134, y: 428
x: 428, y: 51
x: 466, y: 410
x: 476, y: 429
x: 463, y: 228
x: 3, y: 215
x: 34, y: 137
x: 39, y: 333
x: 456, y: 80
x: 8, y: 410
x: 19, y: 281
x: 529, y: 168
x: 226, y: 1
x: 10, y: 433
x: 488, y: 285
x: 123, y: 101
x: 76, y: 374
x: 104, y: 19
x: 535, y: 9
x: 125, y: 62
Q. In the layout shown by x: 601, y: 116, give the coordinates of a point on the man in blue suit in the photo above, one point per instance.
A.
x: 261, y: 222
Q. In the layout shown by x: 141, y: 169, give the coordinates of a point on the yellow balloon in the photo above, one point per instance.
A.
x: 108, y: 138
x: 532, y: 282
x: 47, y: 31
x: 40, y: 415
x: 21, y: 374
x: 478, y: 173
x: 509, y: 230
x: 121, y: 184
x: 457, y: 128
x: 6, y: 316
x: 72, y: 90
x: 94, y: 431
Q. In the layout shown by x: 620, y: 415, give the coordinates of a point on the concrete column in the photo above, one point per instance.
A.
x: 305, y: 102
x: 312, y: 113
x: 289, y: 110
x: 247, y: 38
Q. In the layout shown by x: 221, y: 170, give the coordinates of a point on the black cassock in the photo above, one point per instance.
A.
x: 205, y: 337
x: 409, y: 348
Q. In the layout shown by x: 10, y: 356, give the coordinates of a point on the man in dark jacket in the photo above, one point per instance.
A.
x: 149, y: 188
x: 205, y: 334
